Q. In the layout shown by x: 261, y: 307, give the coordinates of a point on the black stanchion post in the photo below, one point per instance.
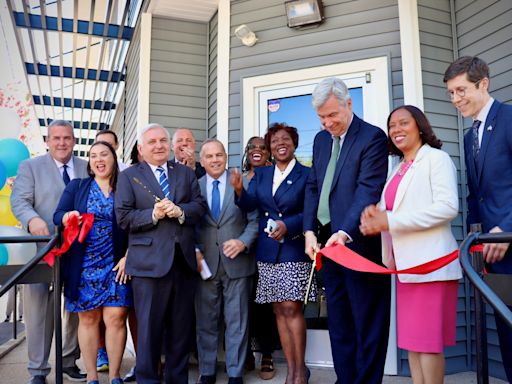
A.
x: 15, y: 313
x: 57, y: 288
x: 482, y: 365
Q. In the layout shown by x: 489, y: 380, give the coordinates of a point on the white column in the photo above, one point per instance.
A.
x: 410, y: 49
x: 223, y: 42
x: 144, y: 71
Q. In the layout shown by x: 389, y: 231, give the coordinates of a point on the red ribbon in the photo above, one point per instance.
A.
x: 72, y: 230
x: 352, y: 260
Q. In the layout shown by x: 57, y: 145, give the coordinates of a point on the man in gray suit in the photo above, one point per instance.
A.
x: 36, y: 192
x: 224, y: 238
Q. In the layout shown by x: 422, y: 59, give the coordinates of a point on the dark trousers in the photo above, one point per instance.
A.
x: 358, y: 307
x: 165, y: 311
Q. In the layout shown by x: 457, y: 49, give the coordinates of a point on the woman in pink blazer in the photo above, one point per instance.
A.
x: 418, y: 203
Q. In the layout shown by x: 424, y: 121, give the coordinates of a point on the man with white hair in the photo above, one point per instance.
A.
x: 348, y: 173
x: 159, y: 204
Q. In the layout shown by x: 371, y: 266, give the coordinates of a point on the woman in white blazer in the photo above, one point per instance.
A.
x: 418, y: 203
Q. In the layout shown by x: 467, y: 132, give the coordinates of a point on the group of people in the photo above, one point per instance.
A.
x: 158, y: 223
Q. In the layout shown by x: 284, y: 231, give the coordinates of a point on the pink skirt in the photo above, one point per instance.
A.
x: 426, y: 315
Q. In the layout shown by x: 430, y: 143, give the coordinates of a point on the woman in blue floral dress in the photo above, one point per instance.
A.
x: 93, y: 272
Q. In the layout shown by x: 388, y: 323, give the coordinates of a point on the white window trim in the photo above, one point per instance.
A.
x: 253, y: 86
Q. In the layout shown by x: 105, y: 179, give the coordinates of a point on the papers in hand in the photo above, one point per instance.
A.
x: 271, y: 226
x: 205, y: 270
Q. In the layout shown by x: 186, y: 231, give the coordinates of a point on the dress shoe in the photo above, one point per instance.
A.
x: 131, y: 376
x: 236, y: 380
x: 38, y: 379
x: 207, y: 379
x: 74, y: 374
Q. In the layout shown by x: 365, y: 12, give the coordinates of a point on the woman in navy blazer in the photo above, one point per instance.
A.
x: 89, y: 269
x: 283, y: 267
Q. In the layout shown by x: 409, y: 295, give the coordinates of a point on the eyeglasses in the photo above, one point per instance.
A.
x: 261, y: 147
x: 461, y: 92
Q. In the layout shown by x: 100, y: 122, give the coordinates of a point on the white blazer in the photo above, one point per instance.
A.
x: 419, y: 224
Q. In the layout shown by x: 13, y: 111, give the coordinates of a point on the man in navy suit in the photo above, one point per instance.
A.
x: 159, y: 204
x: 488, y: 152
x: 349, y: 171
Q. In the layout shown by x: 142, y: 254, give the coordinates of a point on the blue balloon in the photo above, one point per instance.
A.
x: 3, y: 174
x: 4, y: 254
x: 12, y: 153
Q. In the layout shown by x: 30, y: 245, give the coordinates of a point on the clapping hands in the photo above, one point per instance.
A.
x: 373, y: 221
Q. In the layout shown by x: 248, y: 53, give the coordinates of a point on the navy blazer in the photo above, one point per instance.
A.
x: 490, y: 183
x: 74, y: 198
x: 287, y: 205
x: 359, y: 178
x: 151, y: 246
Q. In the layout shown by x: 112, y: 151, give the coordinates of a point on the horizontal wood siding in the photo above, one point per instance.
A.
x: 436, y: 45
x: 484, y: 29
x: 177, y: 96
x: 352, y: 30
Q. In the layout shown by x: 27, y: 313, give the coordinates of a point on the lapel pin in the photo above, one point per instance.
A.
x: 489, y: 128
x: 288, y: 181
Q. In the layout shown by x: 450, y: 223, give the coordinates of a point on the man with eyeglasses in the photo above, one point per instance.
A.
x: 488, y: 152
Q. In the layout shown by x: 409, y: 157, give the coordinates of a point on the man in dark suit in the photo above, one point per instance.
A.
x: 184, y: 148
x: 488, y: 153
x: 225, y: 236
x: 348, y: 173
x: 159, y: 204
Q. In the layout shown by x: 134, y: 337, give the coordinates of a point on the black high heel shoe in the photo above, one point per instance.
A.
x: 308, y: 374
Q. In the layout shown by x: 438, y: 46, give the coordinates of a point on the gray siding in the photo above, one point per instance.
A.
x: 484, y: 29
x: 436, y: 45
x: 212, y: 76
x: 178, y: 80
x: 352, y: 30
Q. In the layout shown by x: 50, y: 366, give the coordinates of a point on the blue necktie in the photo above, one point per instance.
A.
x: 164, y: 184
x: 216, y: 200
x: 65, y: 174
x: 476, y: 144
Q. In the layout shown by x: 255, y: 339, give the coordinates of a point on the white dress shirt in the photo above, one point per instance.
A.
x: 482, y: 116
x: 280, y: 176
x: 71, y: 168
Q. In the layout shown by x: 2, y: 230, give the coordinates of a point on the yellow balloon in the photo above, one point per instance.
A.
x: 6, y: 190
x: 6, y: 215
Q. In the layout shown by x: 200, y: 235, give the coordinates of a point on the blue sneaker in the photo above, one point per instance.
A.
x: 102, y: 360
x: 117, y: 380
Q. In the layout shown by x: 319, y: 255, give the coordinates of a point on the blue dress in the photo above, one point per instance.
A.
x: 98, y: 287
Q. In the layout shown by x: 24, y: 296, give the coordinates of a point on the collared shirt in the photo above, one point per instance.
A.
x: 222, y: 188
x: 156, y: 173
x: 280, y: 176
x: 342, y: 137
x: 482, y: 116
x: 122, y: 166
x: 71, y: 168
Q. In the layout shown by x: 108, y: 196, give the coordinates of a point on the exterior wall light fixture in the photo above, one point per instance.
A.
x: 244, y: 33
x: 304, y: 12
